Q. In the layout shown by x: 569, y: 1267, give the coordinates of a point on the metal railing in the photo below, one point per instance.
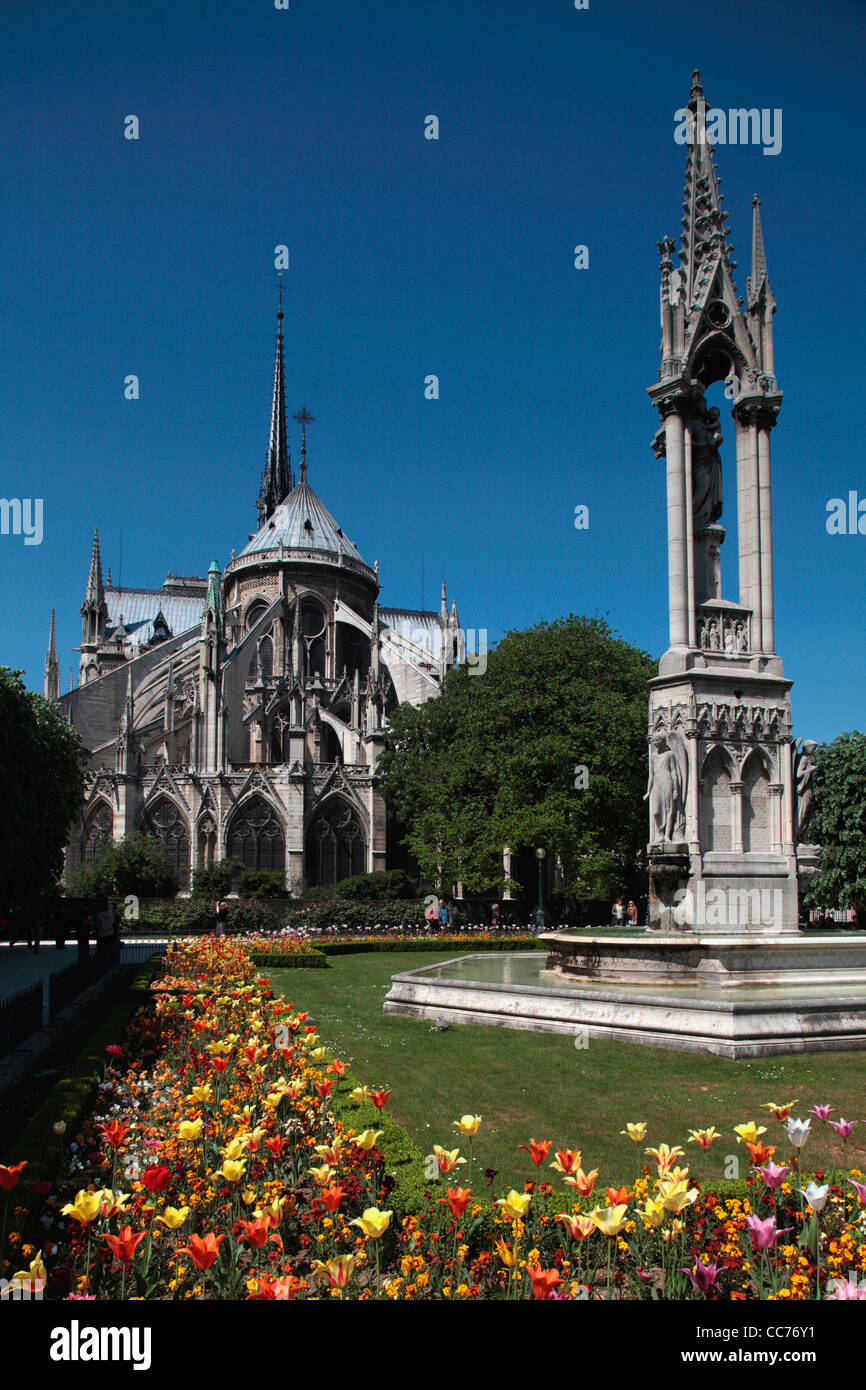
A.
x: 20, y: 1015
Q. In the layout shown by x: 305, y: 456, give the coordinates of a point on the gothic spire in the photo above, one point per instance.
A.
x: 758, y: 278
x: 304, y: 418
x: 95, y: 588
x: 704, y: 237
x: 51, y: 687
x: 277, y: 480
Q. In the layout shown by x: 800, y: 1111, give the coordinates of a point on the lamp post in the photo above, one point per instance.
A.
x: 540, y: 855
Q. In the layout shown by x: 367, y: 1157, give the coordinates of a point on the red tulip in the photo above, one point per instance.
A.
x: 125, y: 1244
x: 275, y: 1145
x: 9, y: 1176
x: 156, y: 1178
x: 258, y: 1232
x: 379, y: 1098
x: 537, y: 1149
x: 324, y: 1088
x: 616, y: 1195
x: 219, y: 1064
x: 338, y: 1067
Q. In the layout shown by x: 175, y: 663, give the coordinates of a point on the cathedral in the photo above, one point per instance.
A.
x: 240, y: 715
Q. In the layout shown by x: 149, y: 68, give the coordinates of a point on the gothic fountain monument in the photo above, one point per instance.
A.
x: 723, y: 965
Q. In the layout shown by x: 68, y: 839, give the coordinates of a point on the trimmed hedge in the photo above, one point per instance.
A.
x: 71, y: 1096
x: 349, y: 948
x: 404, y: 1162
x: 292, y: 960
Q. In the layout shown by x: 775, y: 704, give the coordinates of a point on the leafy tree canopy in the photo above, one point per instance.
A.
x: 41, y: 790
x: 839, y: 823
x: 138, y: 866
x: 494, y: 760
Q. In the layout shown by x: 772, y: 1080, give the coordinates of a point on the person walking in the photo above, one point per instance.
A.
x: 496, y: 918
x: 632, y: 913
x: 444, y: 914
x: 618, y: 913
x: 222, y: 916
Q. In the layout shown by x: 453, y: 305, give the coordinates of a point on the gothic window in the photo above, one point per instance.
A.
x: 256, y: 839
x: 280, y: 737
x: 164, y: 821
x: 329, y: 748
x: 311, y: 625
x: 97, y: 832
x: 716, y: 808
x: 335, y: 847
x: 266, y: 657
x: 756, y: 805
x: 254, y: 612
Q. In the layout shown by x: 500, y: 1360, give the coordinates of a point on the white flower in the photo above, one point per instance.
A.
x: 816, y: 1196
x: 798, y: 1131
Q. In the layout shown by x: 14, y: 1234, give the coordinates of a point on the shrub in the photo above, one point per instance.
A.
x: 214, y: 880
x: 290, y: 960
x: 340, y: 913
x: 262, y: 883
x: 138, y: 866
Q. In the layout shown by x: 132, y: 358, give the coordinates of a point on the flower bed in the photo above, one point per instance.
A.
x: 231, y: 1157
x: 338, y: 944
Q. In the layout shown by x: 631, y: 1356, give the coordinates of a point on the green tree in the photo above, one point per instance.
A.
x: 138, y: 866
x: 41, y: 791
x: 839, y: 824
x: 495, y: 761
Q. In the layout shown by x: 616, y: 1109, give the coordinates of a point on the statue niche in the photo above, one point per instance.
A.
x: 666, y: 788
x: 706, y: 468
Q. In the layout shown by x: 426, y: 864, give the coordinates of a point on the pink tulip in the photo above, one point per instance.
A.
x: 764, y: 1233
x: 848, y: 1288
x: 861, y: 1190
x: 703, y: 1277
x: 844, y: 1128
x: 821, y: 1112
x: 772, y: 1175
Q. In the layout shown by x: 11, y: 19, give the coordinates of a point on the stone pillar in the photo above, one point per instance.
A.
x: 766, y: 534
x: 777, y: 794
x: 748, y: 538
x: 507, y: 894
x: 737, y: 817
x: 690, y: 539
x: 678, y: 597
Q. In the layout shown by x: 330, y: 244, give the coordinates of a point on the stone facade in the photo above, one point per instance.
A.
x: 241, y: 715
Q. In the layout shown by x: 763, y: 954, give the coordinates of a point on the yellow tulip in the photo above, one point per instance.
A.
x: 664, y: 1156
x: 637, y: 1132
x: 653, y: 1213
x: 337, y: 1272
x: 320, y: 1053
x: 189, y: 1129
x: 86, y: 1207
x: 447, y: 1159
x: 505, y: 1253
x: 468, y: 1125
x: 360, y: 1093
x: 203, y: 1094
x: 610, y: 1220
x: 373, y: 1223
x: 321, y: 1175
x: 173, y: 1217
x: 516, y: 1204
x: 231, y: 1170
x: 36, y: 1271
x: 750, y: 1133
x: 112, y: 1202
x: 367, y: 1140
x: 328, y: 1153
x: 674, y: 1196
x: 704, y: 1137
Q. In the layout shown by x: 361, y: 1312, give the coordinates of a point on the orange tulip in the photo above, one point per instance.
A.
x: 258, y: 1232
x: 124, y: 1245
x: 279, y: 1289
x: 458, y: 1198
x: 379, y: 1098
x: 543, y: 1280
x: 579, y: 1227
x: 202, y: 1250
x: 324, y: 1088
x: 761, y: 1153
x: 332, y: 1196
x: 616, y: 1195
x: 584, y: 1182
x: 114, y: 1134
x: 537, y: 1149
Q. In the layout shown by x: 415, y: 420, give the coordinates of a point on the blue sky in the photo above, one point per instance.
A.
x: 408, y: 257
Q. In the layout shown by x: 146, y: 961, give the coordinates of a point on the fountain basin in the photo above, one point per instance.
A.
x: 517, y: 990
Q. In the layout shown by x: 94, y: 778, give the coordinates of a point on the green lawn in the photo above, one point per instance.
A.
x: 538, y: 1084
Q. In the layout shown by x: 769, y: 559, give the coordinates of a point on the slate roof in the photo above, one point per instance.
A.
x: 302, y: 521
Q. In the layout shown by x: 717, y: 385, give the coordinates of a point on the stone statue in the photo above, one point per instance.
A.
x: 804, y: 771
x: 706, y: 469
x: 666, y: 788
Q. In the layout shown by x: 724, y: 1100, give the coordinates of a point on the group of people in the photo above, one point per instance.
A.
x: 622, y: 915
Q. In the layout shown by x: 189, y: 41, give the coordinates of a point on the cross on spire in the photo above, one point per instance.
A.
x: 304, y: 418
